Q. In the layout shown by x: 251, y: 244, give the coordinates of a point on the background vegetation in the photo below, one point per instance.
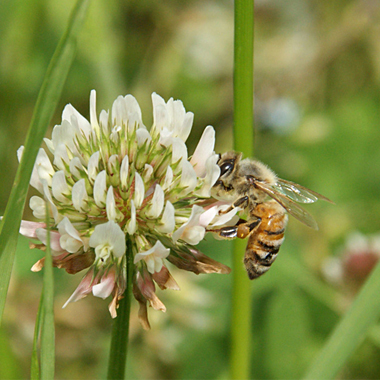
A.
x: 317, y: 102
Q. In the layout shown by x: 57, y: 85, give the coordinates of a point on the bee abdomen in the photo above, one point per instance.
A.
x: 262, y: 250
x: 278, y: 232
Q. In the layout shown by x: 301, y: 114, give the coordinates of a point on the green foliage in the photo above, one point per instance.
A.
x: 324, y: 59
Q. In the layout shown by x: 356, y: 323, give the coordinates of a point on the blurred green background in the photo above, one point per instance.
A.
x: 317, y: 102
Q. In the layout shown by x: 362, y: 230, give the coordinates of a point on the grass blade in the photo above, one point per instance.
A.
x: 350, y: 332
x: 47, y: 325
x: 46, y: 103
x: 35, y: 363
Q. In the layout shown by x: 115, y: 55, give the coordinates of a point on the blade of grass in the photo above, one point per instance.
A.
x: 35, y: 363
x: 243, y: 142
x: 47, y: 325
x: 46, y: 103
x: 350, y: 332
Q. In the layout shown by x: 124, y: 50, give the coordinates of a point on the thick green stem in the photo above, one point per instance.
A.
x: 120, y: 329
x: 244, y: 141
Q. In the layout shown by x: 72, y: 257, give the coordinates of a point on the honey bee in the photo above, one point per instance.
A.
x: 266, y: 199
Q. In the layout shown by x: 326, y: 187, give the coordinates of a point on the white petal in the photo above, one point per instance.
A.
x: 69, y: 244
x: 38, y: 206
x: 44, y: 167
x: 83, y: 288
x: 203, y: 151
x: 103, y: 120
x: 126, y: 110
x: 166, y: 137
x: 179, y: 150
x: 113, y: 166
x: 53, y: 209
x: 77, y: 120
x: 124, y: 172
x: 131, y: 225
x: 76, y: 167
x: 100, y: 189
x: 93, y: 166
x: 109, y: 234
x: 223, y: 219
x: 49, y: 144
x: 207, y: 217
x: 28, y: 229
x: 168, y: 178
x: 188, y: 177
x: 142, y: 135
x: 59, y: 187
x: 160, y: 114
x: 93, y: 117
x: 157, y: 203
x: 147, y: 174
x: 61, y: 156
x: 34, y: 179
x: 54, y: 238
x: 167, y: 220
x: 115, y: 134
x: 181, y: 122
x: 105, y: 287
x: 191, y: 231
x: 186, y: 126
x: 212, y: 175
x: 193, y: 235
x: 111, y: 205
x: 79, y: 195
x: 70, y: 239
x: 63, y: 134
x: 139, y: 190
x: 153, y: 257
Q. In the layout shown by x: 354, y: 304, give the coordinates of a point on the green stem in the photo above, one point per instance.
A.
x: 120, y: 328
x: 244, y: 141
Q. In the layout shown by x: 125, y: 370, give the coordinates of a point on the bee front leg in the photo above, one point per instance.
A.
x: 237, y: 203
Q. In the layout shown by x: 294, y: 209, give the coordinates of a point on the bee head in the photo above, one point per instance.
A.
x: 227, y: 163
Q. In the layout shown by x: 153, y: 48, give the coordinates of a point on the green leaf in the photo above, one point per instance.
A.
x: 46, y: 103
x: 350, y: 332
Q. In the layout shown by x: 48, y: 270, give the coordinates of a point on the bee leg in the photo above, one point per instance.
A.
x: 226, y: 232
x: 241, y: 230
x: 244, y: 229
x: 237, y: 203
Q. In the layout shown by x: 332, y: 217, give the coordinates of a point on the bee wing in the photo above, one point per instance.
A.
x: 298, y: 193
x: 289, y: 205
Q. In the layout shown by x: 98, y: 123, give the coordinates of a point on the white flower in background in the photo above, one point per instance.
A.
x: 112, y: 184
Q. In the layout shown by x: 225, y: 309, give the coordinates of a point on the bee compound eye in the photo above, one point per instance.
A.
x: 226, y: 167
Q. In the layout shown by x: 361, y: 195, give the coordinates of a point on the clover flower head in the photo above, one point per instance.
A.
x: 113, y: 187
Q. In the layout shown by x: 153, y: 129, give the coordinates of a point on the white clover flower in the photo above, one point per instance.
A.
x: 113, y: 184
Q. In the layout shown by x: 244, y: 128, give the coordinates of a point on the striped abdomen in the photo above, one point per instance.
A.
x: 265, y: 241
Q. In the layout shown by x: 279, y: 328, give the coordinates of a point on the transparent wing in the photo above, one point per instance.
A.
x: 297, y: 192
x: 289, y: 205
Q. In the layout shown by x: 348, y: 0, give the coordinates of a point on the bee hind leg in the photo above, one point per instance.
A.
x: 241, y: 230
